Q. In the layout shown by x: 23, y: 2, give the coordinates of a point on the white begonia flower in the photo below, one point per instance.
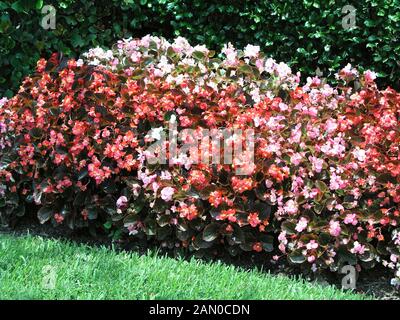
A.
x: 251, y: 51
x: 156, y: 133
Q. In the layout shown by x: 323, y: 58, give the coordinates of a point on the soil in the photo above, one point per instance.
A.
x: 375, y: 282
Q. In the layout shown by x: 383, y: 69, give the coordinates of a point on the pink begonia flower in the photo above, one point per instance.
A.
x: 314, y: 81
x: 335, y: 182
x: 79, y: 63
x: 312, y: 245
x: 135, y: 56
x: 314, y: 267
x: 134, y: 227
x: 268, y: 183
x: 347, y: 73
x: 396, y: 238
x: 311, y: 259
x: 316, y: 164
x: 302, y: 224
x: 3, y: 127
x: 313, y: 132
x: 357, y: 248
x: 331, y: 125
x: 283, y: 70
x: 334, y: 147
x: 312, y: 111
x: 158, y: 73
x: 260, y: 65
x: 135, y: 189
x: 296, y: 158
x: 351, y: 218
x: 282, y: 237
x: 251, y: 51
x: 145, y: 41
x: 334, y: 228
x: 115, y: 62
x: 297, y: 184
x: 255, y: 95
x: 269, y: 65
x: 165, y: 175
x: 283, y: 106
x: 291, y: 207
x: 155, y: 185
x: 231, y: 54
x: 122, y: 202
x: 146, y: 179
x: 295, y: 137
x: 359, y: 154
x: 106, y: 133
x: 167, y: 193
x: 369, y: 76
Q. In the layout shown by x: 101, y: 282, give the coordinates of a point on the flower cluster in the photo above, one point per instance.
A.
x: 323, y: 189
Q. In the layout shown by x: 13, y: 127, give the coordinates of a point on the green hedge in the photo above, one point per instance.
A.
x: 305, y: 33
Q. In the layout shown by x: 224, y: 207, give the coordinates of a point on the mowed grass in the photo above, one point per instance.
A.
x: 38, y: 268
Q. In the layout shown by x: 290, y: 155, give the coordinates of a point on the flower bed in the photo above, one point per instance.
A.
x: 83, y: 142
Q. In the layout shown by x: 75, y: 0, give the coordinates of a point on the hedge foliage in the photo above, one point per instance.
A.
x: 307, y: 34
x: 82, y: 143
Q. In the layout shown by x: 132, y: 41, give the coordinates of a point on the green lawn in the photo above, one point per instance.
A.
x: 37, y: 268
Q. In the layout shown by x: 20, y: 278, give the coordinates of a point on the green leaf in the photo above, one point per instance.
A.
x: 107, y: 225
x: 150, y: 227
x: 77, y: 40
x: 92, y: 213
x: 183, y: 235
x: 132, y: 218
x: 17, y: 6
x: 44, y: 214
x: 163, y: 220
x: 199, y: 55
x: 245, y: 68
x: 246, y: 246
x: 202, y: 244
x: 289, y: 227
x: 35, y: 133
x: 211, y: 232
x: 39, y: 4
x: 385, y: 178
x: 5, y: 23
x: 109, y: 186
x: 346, y: 257
x: 267, y: 243
x: 3, y: 5
x: 79, y: 199
x: 296, y: 258
x: 83, y: 174
x: 324, y: 239
x: 321, y: 186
